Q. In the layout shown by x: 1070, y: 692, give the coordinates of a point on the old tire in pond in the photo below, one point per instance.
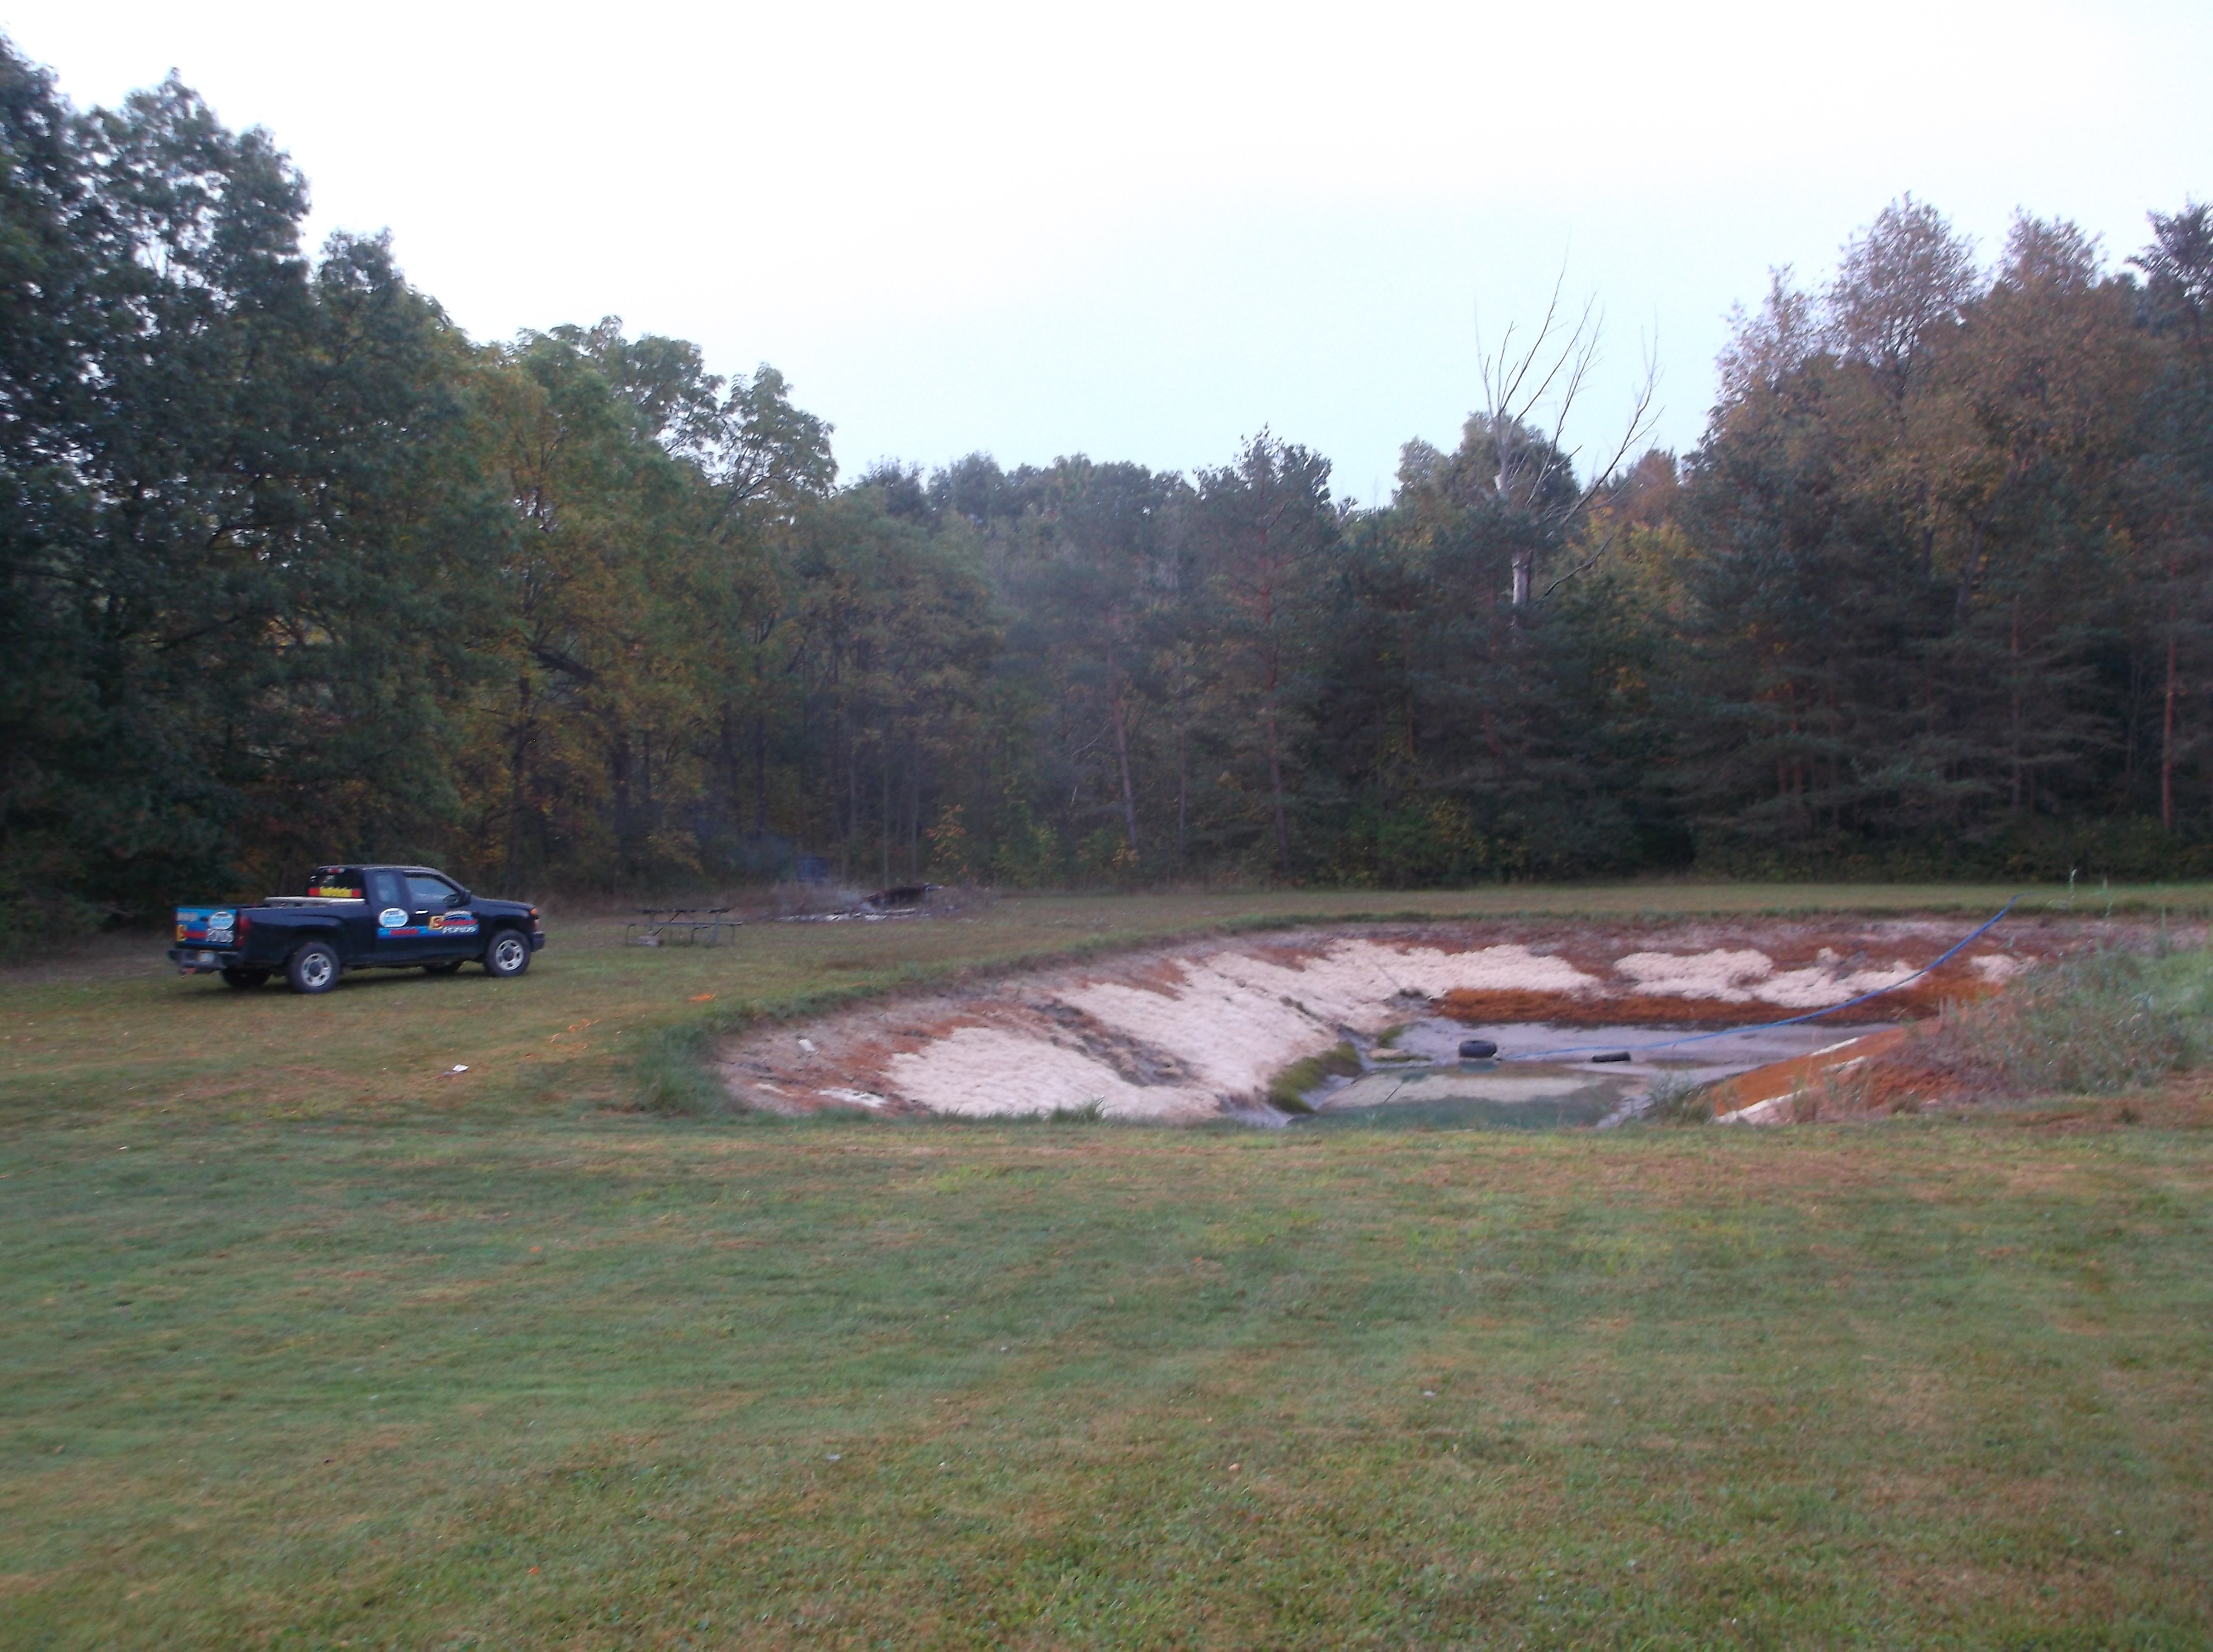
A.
x: 1477, y: 1049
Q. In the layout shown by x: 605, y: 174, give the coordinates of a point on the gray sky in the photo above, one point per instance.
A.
x: 1145, y: 231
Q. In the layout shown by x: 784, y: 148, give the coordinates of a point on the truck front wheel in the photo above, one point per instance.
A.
x: 508, y: 955
x: 314, y: 968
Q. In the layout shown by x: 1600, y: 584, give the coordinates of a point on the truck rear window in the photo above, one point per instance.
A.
x: 335, y: 883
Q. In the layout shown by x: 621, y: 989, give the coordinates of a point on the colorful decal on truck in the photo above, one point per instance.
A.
x: 207, y: 926
x: 439, y: 926
x: 333, y: 892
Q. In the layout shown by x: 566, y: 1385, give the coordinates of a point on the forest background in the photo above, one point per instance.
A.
x: 291, y: 570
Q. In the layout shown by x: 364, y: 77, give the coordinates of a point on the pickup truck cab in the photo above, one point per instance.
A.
x: 357, y: 918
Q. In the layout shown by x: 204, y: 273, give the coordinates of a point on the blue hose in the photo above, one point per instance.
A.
x: 1788, y: 1020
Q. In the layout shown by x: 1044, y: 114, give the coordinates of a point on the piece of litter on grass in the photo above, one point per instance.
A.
x: 701, y: 997
x: 1429, y: 1393
x: 836, y: 1456
x: 450, y: 1071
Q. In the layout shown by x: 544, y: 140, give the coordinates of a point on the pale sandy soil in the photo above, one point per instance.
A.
x: 1198, y: 1031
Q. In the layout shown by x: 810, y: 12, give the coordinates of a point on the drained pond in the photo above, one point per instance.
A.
x: 1331, y: 1028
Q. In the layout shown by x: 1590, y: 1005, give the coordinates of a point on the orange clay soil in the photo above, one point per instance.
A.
x: 1958, y: 982
x: 1758, y: 1084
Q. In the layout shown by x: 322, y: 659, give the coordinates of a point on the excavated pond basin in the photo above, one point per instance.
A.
x: 1207, y: 1030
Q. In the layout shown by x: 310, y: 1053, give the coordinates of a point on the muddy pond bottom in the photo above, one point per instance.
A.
x: 1418, y: 1083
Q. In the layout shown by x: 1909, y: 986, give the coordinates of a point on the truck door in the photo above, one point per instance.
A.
x: 448, y: 927
x: 401, y: 936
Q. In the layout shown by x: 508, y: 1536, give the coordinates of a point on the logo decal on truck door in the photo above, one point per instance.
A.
x: 392, y: 925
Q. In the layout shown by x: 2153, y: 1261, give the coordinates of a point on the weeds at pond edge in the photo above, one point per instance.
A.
x: 2095, y: 1025
x: 670, y: 1074
x: 1287, y: 1091
x: 1678, y: 1099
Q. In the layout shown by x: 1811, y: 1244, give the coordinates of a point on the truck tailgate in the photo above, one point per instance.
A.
x: 207, y: 926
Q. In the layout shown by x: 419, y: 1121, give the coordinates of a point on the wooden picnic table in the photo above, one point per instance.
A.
x: 654, y: 923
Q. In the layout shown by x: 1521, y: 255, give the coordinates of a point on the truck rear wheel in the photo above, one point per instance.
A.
x: 508, y: 954
x: 244, y: 978
x: 313, y: 968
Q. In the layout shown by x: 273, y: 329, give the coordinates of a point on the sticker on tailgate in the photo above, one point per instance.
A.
x: 210, y: 926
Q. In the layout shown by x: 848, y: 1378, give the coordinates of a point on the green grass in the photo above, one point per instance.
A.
x: 307, y: 1345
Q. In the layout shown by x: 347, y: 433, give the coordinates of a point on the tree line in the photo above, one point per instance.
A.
x: 291, y: 570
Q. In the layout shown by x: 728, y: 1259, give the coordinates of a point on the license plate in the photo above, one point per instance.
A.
x: 207, y: 957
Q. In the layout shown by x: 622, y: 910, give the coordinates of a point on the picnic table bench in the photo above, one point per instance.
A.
x: 656, y: 925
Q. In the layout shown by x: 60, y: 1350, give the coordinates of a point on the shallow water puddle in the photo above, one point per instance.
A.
x: 1479, y: 1096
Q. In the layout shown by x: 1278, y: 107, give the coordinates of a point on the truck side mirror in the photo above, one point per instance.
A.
x: 459, y: 897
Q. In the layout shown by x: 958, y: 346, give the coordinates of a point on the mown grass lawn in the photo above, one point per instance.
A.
x: 307, y: 1345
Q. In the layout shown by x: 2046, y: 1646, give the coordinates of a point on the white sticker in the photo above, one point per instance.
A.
x: 392, y: 918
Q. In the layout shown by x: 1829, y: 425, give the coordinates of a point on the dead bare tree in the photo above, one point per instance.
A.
x: 1530, y: 391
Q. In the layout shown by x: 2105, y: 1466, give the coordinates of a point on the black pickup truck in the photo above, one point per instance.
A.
x: 357, y: 918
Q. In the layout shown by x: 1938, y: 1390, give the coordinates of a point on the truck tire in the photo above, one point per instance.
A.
x: 508, y: 955
x: 314, y: 968
x: 242, y: 978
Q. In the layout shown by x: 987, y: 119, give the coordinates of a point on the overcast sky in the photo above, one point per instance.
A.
x: 1146, y: 232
